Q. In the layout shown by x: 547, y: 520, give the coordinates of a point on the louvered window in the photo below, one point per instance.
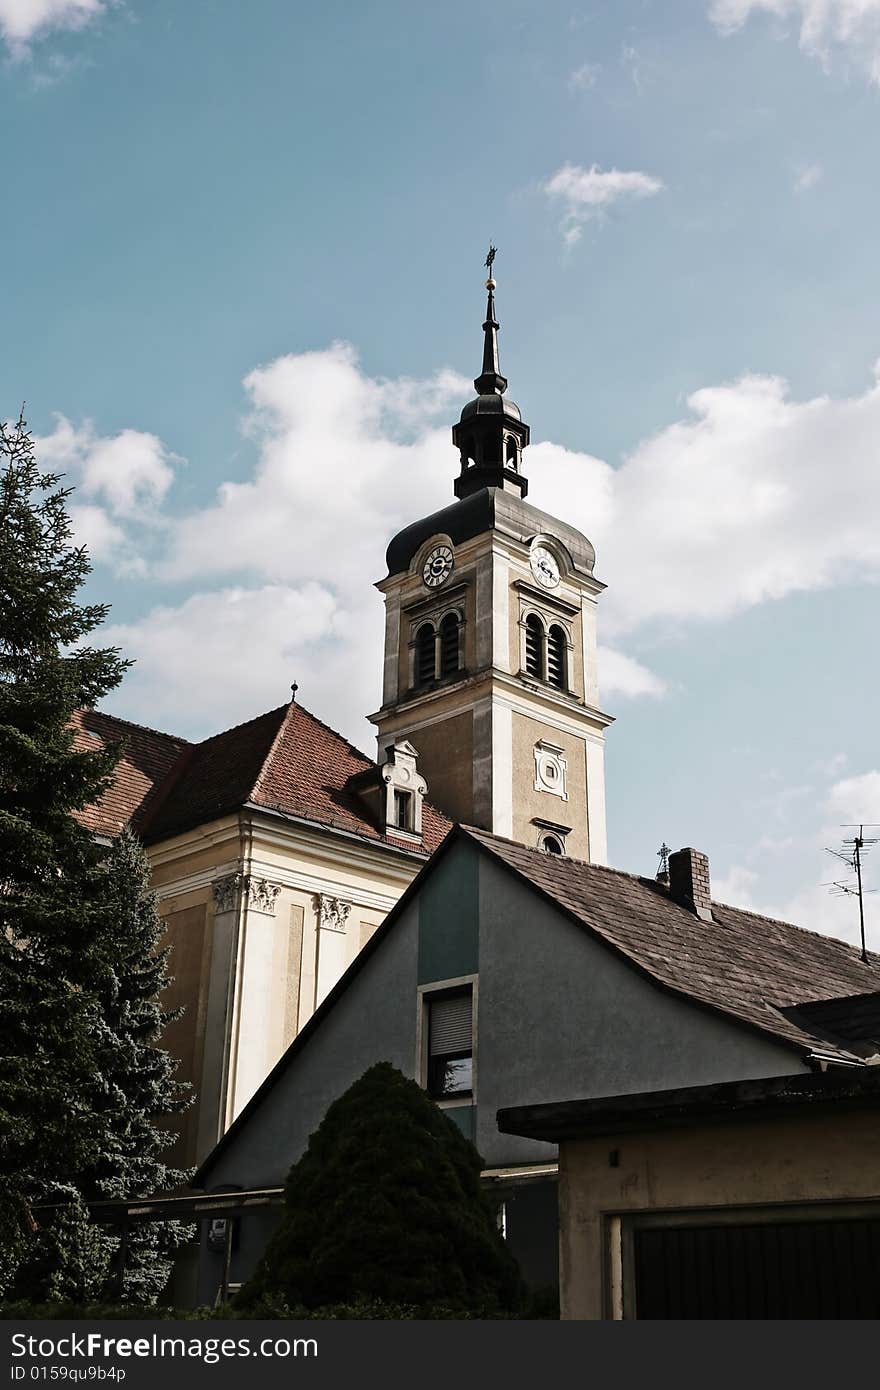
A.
x: 534, y: 646
x: 450, y: 660
x: 450, y: 1044
x: 556, y: 653
x: 425, y: 658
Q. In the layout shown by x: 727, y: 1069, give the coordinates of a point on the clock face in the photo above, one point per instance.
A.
x: 545, y: 567
x: 438, y: 566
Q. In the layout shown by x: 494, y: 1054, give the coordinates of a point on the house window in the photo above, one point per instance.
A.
x: 450, y: 1045
x: 556, y: 657
x: 551, y: 845
x: 450, y: 657
x: 403, y: 810
x: 534, y: 646
x: 425, y: 663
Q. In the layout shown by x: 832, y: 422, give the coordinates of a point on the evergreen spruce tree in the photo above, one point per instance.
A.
x: 77, y: 944
x: 136, y: 1090
x: 387, y: 1204
x: 50, y: 963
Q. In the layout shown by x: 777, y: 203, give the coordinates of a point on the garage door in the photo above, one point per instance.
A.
x: 786, y: 1269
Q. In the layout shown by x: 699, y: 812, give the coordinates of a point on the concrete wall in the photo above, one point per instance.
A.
x: 796, y: 1159
x: 562, y: 1017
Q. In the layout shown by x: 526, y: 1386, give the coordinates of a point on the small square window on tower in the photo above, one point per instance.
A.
x: 550, y: 769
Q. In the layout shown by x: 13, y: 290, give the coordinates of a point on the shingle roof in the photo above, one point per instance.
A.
x: 146, y: 763
x: 745, y: 965
x: 285, y: 760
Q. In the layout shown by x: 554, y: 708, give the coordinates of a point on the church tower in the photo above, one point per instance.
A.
x: 490, y: 643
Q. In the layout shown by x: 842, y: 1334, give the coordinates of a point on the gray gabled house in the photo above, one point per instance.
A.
x: 509, y: 977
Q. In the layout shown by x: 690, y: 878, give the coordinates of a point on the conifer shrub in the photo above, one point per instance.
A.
x: 386, y: 1206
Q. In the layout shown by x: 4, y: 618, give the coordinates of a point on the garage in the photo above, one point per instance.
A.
x: 753, y: 1199
x: 782, y: 1265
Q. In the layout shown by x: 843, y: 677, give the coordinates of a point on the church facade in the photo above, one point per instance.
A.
x: 277, y: 849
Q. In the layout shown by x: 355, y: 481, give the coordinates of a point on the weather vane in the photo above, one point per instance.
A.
x: 491, y: 256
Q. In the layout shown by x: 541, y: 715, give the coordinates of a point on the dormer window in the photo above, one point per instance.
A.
x: 403, y: 810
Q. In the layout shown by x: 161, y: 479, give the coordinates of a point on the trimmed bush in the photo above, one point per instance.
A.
x: 387, y: 1206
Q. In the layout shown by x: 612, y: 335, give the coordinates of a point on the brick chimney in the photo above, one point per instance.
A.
x: 689, y: 881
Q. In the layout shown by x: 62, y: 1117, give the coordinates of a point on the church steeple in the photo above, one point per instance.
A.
x: 490, y: 379
x: 491, y: 434
x: 489, y: 663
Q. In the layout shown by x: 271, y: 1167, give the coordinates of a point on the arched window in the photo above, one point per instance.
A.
x: 551, y: 845
x: 535, y: 646
x: 450, y: 656
x: 425, y: 663
x: 556, y: 657
x: 512, y: 459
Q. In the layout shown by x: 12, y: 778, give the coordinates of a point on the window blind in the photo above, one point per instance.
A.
x: 450, y: 1025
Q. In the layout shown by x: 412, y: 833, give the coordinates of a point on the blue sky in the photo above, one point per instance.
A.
x: 243, y: 298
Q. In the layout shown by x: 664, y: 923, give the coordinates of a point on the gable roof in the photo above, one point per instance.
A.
x: 742, y: 964
x: 285, y: 761
x: 147, y: 761
x: 736, y: 964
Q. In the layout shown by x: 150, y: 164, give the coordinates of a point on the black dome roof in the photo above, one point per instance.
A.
x: 487, y: 510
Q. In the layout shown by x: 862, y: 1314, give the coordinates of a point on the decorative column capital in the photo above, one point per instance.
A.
x: 333, y: 913
x: 259, y: 893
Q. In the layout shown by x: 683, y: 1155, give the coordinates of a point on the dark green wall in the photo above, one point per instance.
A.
x: 449, y: 929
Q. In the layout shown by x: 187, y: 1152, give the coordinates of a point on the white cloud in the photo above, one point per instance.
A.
x: 807, y: 177
x: 854, y: 799
x: 248, y: 645
x: 121, y: 482
x: 584, y: 77
x: 631, y: 59
x: 736, y: 888
x: 625, y: 677
x: 752, y: 496
x: 589, y: 193
x: 822, y: 823
x: 93, y: 528
x: 342, y: 466
x: 22, y: 21
x: 851, y: 27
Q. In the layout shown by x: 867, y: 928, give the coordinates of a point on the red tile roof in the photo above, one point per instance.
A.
x: 146, y: 763
x: 285, y: 760
x: 746, y: 965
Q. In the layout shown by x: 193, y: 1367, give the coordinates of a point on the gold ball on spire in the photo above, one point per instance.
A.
x: 490, y: 283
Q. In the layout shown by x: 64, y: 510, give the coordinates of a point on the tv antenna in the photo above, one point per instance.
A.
x: 854, y: 850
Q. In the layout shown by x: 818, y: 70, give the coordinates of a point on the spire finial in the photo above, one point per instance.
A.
x: 663, y: 856
x: 490, y: 381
